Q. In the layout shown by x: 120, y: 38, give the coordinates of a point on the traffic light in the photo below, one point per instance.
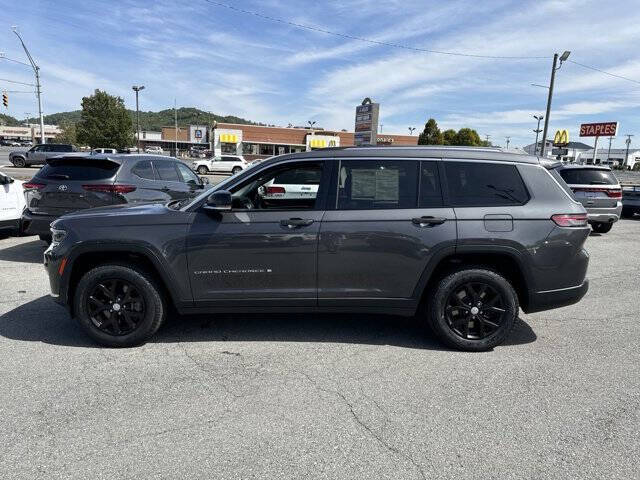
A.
x: 5, y: 100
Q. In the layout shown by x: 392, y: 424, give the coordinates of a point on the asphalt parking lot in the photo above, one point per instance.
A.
x: 317, y: 396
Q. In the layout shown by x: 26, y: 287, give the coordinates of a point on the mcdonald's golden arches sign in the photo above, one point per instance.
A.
x: 561, y: 138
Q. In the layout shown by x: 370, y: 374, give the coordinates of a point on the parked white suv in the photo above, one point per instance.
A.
x: 12, y: 204
x: 156, y: 150
x: 224, y: 164
x: 104, y: 150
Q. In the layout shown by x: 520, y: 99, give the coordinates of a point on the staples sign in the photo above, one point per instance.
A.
x: 606, y: 129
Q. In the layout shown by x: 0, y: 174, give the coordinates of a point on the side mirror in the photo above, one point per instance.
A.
x: 219, y: 201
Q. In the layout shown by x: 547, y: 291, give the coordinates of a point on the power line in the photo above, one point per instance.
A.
x: 17, y: 91
x: 368, y: 40
x: 19, y: 83
x: 2, y: 57
x: 606, y: 73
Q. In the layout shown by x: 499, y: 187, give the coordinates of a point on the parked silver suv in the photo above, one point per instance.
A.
x: 597, y: 188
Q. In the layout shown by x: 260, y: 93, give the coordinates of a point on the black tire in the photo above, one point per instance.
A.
x: 456, y: 326
x: 104, y: 329
x: 601, y: 227
x: 203, y: 170
x: 628, y: 212
x: 19, y: 162
x: 236, y: 170
x: 46, y: 238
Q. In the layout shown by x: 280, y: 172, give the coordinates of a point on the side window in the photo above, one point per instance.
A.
x: 430, y: 191
x: 377, y: 184
x: 187, y: 175
x: 293, y: 186
x: 229, y: 159
x: 144, y: 169
x: 480, y: 184
x: 166, y: 171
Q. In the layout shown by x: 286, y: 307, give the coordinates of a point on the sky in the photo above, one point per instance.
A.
x: 233, y: 63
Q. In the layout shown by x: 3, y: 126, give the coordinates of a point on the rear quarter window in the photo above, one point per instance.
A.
x: 588, y: 176
x: 482, y: 184
x: 79, y: 169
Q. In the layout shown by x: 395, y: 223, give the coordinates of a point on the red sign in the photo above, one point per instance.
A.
x: 606, y: 129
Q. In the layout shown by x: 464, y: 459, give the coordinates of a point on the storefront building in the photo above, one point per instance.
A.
x: 29, y: 132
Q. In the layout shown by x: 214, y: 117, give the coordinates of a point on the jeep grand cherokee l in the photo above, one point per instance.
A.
x: 460, y: 237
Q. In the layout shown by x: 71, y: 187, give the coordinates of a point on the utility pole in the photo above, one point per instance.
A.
x: 175, y: 124
x: 537, y: 131
x: 609, y: 151
x: 36, y: 70
x: 564, y: 56
x: 508, y: 140
x: 486, y: 138
x: 626, y: 155
x: 137, y: 89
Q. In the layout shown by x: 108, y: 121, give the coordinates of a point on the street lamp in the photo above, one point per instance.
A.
x: 311, y: 124
x: 36, y: 70
x: 537, y: 130
x: 563, y: 58
x: 137, y: 89
x: 411, y: 130
x: 626, y: 155
x: 508, y: 139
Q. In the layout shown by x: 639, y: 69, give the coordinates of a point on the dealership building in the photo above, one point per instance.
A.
x: 257, y: 141
x: 29, y: 132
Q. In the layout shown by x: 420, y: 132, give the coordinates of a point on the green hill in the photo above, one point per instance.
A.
x: 153, y: 121
x: 8, y: 120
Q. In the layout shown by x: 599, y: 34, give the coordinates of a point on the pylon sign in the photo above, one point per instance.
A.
x: 561, y: 138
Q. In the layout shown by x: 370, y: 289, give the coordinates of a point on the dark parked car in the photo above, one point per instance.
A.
x: 38, y: 154
x: 597, y: 188
x: 461, y: 237
x: 69, y: 183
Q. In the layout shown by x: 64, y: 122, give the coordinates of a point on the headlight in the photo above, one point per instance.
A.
x: 57, y: 236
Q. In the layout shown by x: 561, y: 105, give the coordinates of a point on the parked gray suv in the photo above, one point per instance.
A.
x: 39, y: 154
x: 461, y: 237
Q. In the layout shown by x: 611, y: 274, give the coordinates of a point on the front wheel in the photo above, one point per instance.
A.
x: 19, y: 162
x: 601, y: 227
x: 202, y: 170
x: 119, y: 306
x: 473, y: 310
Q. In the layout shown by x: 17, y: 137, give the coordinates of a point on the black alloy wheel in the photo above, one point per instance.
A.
x: 116, y: 307
x: 475, y: 310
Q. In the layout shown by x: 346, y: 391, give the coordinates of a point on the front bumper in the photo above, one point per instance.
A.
x: 12, y: 224
x: 56, y: 271
x: 36, y: 224
x: 562, y: 297
x: 605, y: 215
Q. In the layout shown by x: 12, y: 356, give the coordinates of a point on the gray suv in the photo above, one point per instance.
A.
x: 39, y: 154
x: 461, y: 237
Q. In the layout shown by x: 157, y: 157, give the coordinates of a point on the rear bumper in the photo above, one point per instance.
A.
x: 36, y: 224
x: 562, y: 297
x: 605, y: 215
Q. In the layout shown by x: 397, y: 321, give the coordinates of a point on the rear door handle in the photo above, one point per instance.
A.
x: 424, y: 221
x: 296, y: 222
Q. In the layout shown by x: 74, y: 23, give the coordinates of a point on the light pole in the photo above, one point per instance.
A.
x: 609, y: 151
x: 626, y: 155
x: 537, y: 130
x: 137, y: 88
x: 411, y: 130
x: 36, y: 70
x: 563, y: 58
x: 311, y: 124
x: 486, y: 139
x: 508, y: 140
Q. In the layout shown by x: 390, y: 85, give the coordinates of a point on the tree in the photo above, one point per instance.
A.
x: 449, y: 137
x: 431, y: 134
x: 468, y: 137
x: 68, y: 134
x: 104, y: 122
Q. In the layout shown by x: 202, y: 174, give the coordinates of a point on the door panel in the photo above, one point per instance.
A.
x: 250, y: 255
x: 378, y: 253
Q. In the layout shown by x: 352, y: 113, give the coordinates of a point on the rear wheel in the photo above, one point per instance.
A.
x: 601, y: 227
x: 119, y: 306
x: 19, y: 162
x: 203, y: 170
x: 473, y: 310
x: 236, y: 170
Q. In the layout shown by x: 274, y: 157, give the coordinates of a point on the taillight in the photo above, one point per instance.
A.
x: 611, y: 192
x: 33, y: 186
x: 109, y: 188
x: 570, y: 220
x: 275, y: 190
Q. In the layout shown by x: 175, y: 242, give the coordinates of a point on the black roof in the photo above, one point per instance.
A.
x: 438, y: 151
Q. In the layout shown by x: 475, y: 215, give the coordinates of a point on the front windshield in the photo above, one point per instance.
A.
x: 219, y: 186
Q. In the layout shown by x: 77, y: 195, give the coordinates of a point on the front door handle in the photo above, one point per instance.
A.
x: 424, y: 221
x: 296, y: 222
x: 165, y: 189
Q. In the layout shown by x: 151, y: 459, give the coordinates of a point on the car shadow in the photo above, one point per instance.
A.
x: 30, y: 252
x: 42, y: 320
